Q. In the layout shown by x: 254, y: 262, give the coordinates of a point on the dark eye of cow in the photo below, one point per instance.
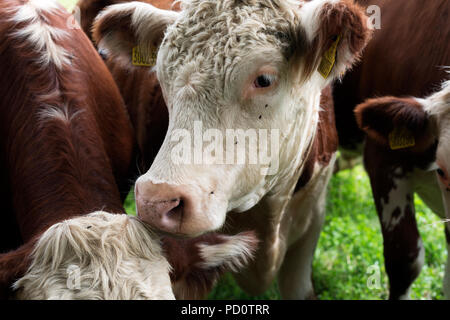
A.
x: 263, y: 81
x: 441, y: 172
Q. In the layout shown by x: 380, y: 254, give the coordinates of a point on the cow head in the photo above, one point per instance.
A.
x: 232, y: 71
x: 114, y: 256
x: 413, y: 126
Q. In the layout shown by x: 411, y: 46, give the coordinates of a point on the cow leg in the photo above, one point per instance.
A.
x: 393, y: 194
x: 295, y: 276
x: 403, y: 249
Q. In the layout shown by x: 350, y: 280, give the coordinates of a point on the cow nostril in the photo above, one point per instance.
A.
x: 177, y: 211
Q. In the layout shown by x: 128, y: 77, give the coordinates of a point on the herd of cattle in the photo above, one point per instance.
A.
x: 80, y: 122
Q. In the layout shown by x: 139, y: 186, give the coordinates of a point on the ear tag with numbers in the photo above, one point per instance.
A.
x: 401, y: 138
x: 144, y: 57
x: 329, y: 59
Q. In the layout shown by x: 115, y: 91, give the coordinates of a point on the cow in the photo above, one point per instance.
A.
x: 406, y: 57
x: 68, y: 149
x: 409, y: 137
x: 61, y: 154
x: 262, y: 65
x: 117, y: 257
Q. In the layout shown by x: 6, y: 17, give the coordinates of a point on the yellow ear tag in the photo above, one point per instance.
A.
x: 401, y: 138
x: 143, y: 57
x: 329, y: 59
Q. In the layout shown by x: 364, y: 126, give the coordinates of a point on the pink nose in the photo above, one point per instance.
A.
x: 164, y: 207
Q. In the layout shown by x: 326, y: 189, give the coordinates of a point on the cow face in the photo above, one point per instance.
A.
x: 418, y: 124
x: 242, y: 83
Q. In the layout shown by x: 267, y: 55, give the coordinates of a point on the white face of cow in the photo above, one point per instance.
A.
x: 226, y: 66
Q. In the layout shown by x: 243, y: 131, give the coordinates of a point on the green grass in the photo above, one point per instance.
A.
x: 350, y: 243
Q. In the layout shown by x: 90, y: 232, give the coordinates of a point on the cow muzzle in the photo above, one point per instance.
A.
x: 176, y: 209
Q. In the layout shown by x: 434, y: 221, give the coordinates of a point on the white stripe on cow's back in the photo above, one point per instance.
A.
x: 58, y: 113
x: 39, y: 33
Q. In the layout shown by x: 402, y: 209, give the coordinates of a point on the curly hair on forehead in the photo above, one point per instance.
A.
x: 227, y: 4
x: 219, y: 32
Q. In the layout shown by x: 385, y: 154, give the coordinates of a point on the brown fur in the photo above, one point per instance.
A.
x: 89, y: 9
x: 345, y: 18
x: 55, y: 170
x: 189, y: 279
x: 378, y: 118
x: 404, y: 58
x: 139, y: 88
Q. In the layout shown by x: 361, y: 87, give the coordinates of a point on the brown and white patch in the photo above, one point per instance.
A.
x: 33, y: 20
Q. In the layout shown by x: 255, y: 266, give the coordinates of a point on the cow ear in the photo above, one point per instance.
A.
x: 396, y: 123
x: 336, y: 33
x: 121, y: 28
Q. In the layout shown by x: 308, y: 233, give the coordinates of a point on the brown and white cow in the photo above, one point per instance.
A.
x: 117, y: 257
x: 410, y: 138
x: 61, y: 154
x: 66, y: 149
x: 249, y: 65
x: 406, y: 57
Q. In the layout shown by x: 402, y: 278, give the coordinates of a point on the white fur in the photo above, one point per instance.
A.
x: 304, y: 219
x: 59, y: 114
x: 233, y: 254
x: 41, y: 36
x: 310, y: 14
x: 396, y: 199
x: 202, y: 65
x: 117, y: 256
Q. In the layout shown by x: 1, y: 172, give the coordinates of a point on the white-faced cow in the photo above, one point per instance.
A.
x: 406, y: 57
x: 254, y: 66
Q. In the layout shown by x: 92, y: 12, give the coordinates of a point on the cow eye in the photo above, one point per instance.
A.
x: 440, y: 172
x: 264, y: 81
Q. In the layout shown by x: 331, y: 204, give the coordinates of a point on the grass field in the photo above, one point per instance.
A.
x: 350, y: 243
